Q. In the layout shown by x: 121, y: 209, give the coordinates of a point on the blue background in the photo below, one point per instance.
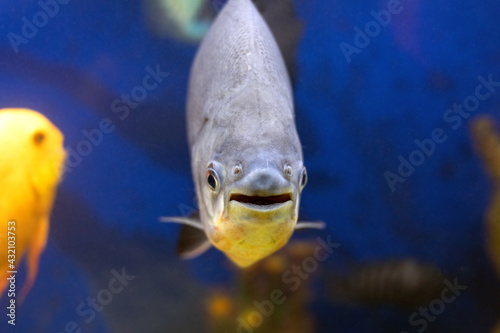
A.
x: 354, y: 119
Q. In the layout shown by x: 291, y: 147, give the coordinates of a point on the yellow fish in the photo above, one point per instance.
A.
x: 31, y: 163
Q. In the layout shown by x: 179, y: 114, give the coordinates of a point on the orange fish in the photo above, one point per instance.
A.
x: 31, y: 160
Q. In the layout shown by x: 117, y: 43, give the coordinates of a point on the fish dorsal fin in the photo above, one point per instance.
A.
x: 192, y: 238
x: 310, y: 225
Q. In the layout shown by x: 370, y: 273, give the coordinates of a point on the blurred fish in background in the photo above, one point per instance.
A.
x: 403, y: 283
x: 486, y: 138
x: 31, y: 164
x: 187, y: 20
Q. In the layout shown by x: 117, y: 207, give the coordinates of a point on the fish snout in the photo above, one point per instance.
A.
x: 263, y: 188
x: 264, y: 179
x: 262, y: 195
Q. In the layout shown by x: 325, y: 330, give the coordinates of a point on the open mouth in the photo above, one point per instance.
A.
x: 261, y: 200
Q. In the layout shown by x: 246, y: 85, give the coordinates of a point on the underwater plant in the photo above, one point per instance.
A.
x: 269, y: 297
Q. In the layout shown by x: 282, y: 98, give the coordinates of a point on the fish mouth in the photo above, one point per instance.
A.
x: 261, y: 202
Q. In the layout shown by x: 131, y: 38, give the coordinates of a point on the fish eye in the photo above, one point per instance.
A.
x: 212, y: 179
x: 215, y: 176
x: 303, y: 180
x: 38, y: 138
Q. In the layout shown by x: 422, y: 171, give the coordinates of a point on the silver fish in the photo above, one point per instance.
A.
x: 246, y: 157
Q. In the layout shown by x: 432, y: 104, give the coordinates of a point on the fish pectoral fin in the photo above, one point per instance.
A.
x: 310, y: 225
x: 192, y: 239
x: 191, y: 221
x: 192, y: 242
x: 34, y: 254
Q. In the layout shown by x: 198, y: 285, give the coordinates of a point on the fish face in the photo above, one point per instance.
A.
x: 38, y: 143
x: 47, y: 144
x: 256, y: 207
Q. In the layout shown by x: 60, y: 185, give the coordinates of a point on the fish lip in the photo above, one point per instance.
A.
x: 262, y: 202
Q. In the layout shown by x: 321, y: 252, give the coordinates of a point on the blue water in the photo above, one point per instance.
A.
x: 355, y: 115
